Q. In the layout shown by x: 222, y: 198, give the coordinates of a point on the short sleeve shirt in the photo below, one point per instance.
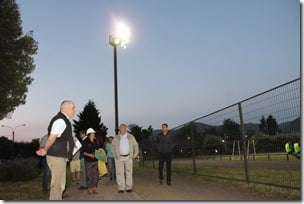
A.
x: 58, y: 127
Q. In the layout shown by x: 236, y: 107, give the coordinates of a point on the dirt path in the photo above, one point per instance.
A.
x: 146, y: 187
x: 107, y: 190
x: 188, y: 188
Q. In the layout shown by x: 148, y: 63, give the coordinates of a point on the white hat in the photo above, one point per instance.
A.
x: 90, y: 130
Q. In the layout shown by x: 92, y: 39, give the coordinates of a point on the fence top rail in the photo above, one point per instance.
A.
x: 235, y: 104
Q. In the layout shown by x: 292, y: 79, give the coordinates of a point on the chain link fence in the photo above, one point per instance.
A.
x: 256, y: 140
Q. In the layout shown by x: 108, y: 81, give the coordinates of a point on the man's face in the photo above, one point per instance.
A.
x: 70, y: 110
x: 122, y: 129
x: 164, y: 128
x: 110, y: 140
x: 82, y: 135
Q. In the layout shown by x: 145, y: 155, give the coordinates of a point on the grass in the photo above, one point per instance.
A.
x: 273, y: 176
x: 23, y: 190
x: 272, y: 156
x: 26, y: 190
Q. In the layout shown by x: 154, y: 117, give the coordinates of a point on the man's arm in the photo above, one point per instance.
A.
x: 135, y: 145
x: 56, y: 131
x: 114, y: 147
x: 50, y: 141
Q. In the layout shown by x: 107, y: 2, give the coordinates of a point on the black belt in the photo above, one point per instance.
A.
x: 125, y: 155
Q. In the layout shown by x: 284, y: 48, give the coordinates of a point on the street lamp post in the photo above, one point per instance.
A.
x: 13, y: 133
x: 119, y: 38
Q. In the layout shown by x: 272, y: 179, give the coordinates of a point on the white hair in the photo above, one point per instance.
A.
x: 65, y: 104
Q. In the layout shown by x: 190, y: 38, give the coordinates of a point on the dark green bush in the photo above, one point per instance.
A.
x: 19, y: 170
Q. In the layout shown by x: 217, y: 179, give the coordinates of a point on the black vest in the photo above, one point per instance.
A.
x: 60, y: 146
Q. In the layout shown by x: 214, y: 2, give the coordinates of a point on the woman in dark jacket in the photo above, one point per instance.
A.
x: 91, y: 167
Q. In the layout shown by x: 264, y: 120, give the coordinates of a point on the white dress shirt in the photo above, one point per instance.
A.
x: 124, y: 147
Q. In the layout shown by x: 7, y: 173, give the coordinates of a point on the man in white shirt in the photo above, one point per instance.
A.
x: 59, y: 148
x: 125, y: 150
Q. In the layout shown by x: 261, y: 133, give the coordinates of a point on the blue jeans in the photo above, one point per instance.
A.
x: 111, y: 167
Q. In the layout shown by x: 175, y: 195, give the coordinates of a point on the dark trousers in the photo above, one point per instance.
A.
x: 164, y: 157
x: 91, y: 173
x: 46, y: 174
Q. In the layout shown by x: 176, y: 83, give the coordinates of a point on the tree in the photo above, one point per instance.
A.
x: 272, y: 125
x: 89, y: 118
x: 269, y: 126
x: 211, y: 131
x: 231, y: 129
x: 263, y: 125
x: 139, y: 132
x: 146, y: 133
x: 250, y: 133
x: 16, y: 58
x: 212, y: 145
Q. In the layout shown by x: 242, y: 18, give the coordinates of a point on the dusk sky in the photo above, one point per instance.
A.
x: 185, y: 59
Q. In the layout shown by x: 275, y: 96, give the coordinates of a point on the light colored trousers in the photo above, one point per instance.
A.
x: 124, y: 171
x: 57, y: 167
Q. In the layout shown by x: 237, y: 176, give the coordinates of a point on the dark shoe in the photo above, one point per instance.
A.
x: 65, y: 195
x: 129, y: 190
x: 82, y: 188
x: 169, y: 183
x: 121, y: 191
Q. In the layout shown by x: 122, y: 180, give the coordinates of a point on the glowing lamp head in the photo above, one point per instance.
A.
x: 121, y: 35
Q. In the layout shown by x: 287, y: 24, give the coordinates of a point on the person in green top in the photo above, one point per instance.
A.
x: 288, y: 147
x: 111, y: 161
x: 297, y: 149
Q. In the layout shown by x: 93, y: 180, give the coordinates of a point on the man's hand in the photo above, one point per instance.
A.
x: 41, y: 152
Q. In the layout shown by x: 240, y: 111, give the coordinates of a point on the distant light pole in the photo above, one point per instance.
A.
x: 13, y: 133
x: 120, y: 37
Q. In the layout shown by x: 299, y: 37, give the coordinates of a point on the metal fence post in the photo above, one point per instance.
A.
x: 193, y: 150
x: 244, y: 143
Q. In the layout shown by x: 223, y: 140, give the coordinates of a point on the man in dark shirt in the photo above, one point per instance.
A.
x: 83, y: 178
x: 165, y: 145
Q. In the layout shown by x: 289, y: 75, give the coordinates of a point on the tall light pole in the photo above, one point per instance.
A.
x: 120, y: 37
x: 13, y: 133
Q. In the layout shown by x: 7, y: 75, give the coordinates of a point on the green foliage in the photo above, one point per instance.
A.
x: 19, y: 170
x: 16, y: 58
x: 269, y: 126
x: 5, y: 148
x: 21, y: 149
x: 272, y: 126
x: 90, y: 118
x: 139, y: 132
x: 212, y: 144
x: 211, y: 131
x: 231, y: 129
x: 263, y: 125
x: 274, y: 144
x: 250, y: 133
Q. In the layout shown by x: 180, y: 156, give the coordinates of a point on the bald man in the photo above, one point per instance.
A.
x: 59, y: 148
x: 125, y: 150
